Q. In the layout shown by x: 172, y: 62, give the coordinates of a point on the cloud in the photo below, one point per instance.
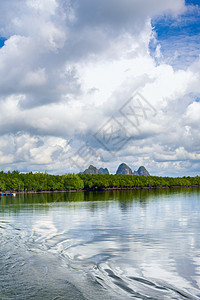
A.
x: 67, y: 67
x: 117, y: 13
x: 45, y: 38
x: 36, y: 153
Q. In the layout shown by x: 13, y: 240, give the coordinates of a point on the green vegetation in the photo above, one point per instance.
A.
x: 95, y: 182
x: 15, y: 181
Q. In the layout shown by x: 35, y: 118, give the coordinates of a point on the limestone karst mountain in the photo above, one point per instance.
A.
x: 123, y: 169
x: 143, y: 171
x: 93, y: 170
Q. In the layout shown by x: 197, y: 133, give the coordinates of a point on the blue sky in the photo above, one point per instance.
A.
x: 87, y: 82
x: 179, y: 37
x: 2, y: 41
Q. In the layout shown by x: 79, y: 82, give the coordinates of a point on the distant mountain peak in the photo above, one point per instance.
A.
x: 143, y: 171
x: 103, y: 171
x: 93, y: 170
x: 124, y: 169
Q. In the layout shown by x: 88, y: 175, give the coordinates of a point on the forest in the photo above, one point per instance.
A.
x: 37, y: 182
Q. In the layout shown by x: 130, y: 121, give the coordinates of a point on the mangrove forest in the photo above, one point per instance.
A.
x: 38, y: 182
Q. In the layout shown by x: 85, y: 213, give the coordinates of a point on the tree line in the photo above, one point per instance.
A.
x: 21, y: 182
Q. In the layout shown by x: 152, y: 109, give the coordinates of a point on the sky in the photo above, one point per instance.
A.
x: 100, y: 82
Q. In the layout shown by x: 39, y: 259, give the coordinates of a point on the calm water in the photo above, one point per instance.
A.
x: 103, y: 245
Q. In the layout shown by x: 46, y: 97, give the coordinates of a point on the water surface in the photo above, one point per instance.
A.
x: 101, y: 245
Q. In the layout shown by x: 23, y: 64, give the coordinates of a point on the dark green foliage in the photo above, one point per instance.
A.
x: 72, y: 182
x: 39, y: 182
x: 94, y: 182
x: 15, y: 181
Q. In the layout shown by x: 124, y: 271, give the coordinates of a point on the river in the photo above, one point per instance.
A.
x: 101, y: 245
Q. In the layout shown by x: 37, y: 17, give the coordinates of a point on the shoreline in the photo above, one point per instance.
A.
x: 102, y: 189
